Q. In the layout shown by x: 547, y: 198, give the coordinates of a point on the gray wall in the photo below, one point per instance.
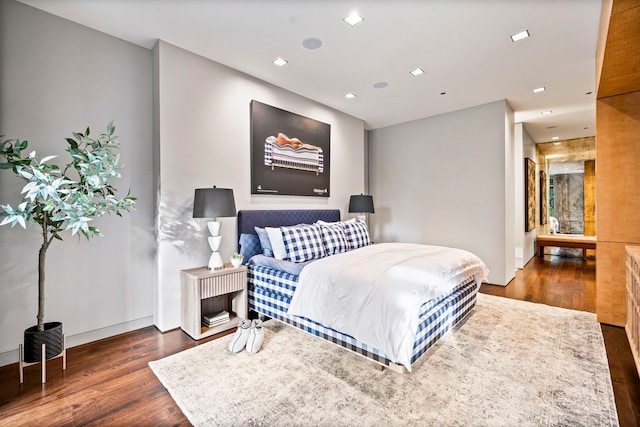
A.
x: 203, y: 140
x: 525, y: 147
x: 57, y: 77
x: 448, y: 180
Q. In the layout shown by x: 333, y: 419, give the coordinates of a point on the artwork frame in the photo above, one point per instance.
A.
x: 544, y: 198
x: 290, y: 153
x: 529, y: 194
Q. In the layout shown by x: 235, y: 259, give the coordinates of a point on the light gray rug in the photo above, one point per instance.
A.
x: 511, y: 363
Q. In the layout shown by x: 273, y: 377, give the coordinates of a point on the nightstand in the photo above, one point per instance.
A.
x: 207, y: 291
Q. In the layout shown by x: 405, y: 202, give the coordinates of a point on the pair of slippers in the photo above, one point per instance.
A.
x: 249, y: 335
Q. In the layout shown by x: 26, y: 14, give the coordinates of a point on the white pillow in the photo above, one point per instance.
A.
x: 277, y: 243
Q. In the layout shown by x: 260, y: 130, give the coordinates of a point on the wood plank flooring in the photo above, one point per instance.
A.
x: 109, y: 383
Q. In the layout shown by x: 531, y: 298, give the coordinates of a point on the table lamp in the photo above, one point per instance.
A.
x: 214, y: 203
x: 361, y: 204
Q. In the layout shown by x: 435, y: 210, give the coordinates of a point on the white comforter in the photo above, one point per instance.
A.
x: 374, y: 293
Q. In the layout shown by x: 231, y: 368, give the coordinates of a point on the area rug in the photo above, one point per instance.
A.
x: 511, y: 363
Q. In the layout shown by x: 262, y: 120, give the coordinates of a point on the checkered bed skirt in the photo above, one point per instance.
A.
x: 270, y: 293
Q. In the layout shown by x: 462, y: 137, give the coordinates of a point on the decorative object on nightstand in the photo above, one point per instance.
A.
x: 361, y: 204
x: 236, y: 259
x: 213, y: 301
x: 214, y: 203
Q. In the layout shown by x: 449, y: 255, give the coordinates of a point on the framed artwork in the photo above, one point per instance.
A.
x: 529, y: 194
x: 290, y: 153
x: 543, y: 198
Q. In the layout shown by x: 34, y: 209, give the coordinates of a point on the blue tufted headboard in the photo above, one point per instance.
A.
x: 247, y: 219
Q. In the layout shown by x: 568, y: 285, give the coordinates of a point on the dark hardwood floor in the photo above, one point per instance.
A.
x: 108, y: 382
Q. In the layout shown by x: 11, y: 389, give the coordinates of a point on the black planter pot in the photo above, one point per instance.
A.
x: 51, y: 336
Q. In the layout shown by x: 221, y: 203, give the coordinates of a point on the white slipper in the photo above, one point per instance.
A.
x: 239, y: 339
x: 256, y: 337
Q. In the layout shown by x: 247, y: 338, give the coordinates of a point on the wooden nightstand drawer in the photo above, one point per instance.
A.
x: 222, y: 284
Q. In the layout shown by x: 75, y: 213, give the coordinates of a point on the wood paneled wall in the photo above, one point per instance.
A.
x: 620, y: 72
x: 618, y: 158
x: 590, y: 198
x: 590, y: 201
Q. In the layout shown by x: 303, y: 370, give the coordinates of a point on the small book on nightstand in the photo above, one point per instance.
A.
x: 214, y: 319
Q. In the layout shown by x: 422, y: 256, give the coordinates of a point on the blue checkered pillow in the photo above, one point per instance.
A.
x: 303, y: 243
x: 249, y: 246
x: 357, y: 234
x: 334, y: 238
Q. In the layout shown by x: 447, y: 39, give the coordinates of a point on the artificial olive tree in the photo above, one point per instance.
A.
x: 60, y: 199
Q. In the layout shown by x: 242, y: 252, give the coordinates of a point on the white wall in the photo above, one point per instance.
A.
x: 444, y: 180
x: 525, y: 241
x: 57, y: 77
x: 529, y: 150
x: 204, y: 140
x: 509, y: 194
x: 519, y: 196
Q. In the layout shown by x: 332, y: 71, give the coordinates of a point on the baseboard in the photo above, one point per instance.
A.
x: 10, y: 357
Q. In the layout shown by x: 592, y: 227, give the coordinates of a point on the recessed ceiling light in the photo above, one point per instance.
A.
x: 381, y: 85
x: 521, y: 35
x: 555, y: 138
x: 539, y: 89
x: 417, y: 71
x: 443, y: 93
x: 588, y: 93
x: 552, y: 127
x: 350, y: 95
x: 546, y: 113
x: 353, y: 19
x: 280, y: 62
x: 586, y: 127
x: 312, y: 43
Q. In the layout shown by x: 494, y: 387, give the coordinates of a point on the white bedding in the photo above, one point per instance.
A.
x: 374, y: 293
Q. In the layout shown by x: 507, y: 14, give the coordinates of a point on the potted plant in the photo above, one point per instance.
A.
x: 58, y: 200
x: 236, y: 259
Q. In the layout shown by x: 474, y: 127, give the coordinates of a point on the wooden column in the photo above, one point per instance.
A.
x: 618, y: 195
x: 617, y: 153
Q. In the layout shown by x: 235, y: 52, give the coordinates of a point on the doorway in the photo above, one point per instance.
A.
x: 569, y: 167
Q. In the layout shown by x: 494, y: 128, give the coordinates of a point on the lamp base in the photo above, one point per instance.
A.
x: 215, y: 262
x: 361, y: 218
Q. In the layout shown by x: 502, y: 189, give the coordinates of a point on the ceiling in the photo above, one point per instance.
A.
x: 463, y: 46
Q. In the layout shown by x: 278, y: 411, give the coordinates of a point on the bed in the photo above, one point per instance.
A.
x: 272, y: 289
